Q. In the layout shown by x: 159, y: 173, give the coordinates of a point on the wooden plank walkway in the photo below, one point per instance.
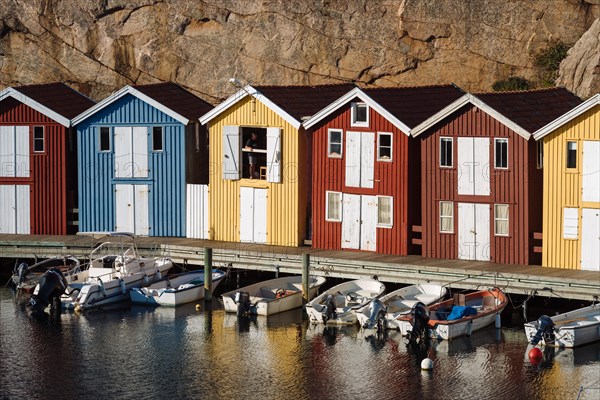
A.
x: 518, y: 279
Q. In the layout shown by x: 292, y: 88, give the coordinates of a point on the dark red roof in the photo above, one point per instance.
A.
x: 177, y: 99
x: 413, y: 105
x: 304, y: 101
x: 58, y: 97
x: 534, y: 109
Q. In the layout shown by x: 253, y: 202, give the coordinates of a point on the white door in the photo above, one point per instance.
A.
x: 368, y: 223
x: 360, y: 159
x: 15, y: 209
x: 590, y: 178
x: 473, y: 166
x: 131, y: 152
x: 590, y: 239
x: 132, y: 212
x: 474, y: 231
x: 253, y: 215
x: 196, y: 215
x: 350, y: 221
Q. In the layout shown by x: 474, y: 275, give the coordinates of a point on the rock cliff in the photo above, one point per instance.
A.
x: 97, y: 46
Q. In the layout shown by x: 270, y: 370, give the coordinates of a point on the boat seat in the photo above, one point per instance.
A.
x: 426, y: 298
x: 266, y: 292
x: 458, y: 299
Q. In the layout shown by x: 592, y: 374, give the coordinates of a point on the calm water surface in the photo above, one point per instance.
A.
x: 163, y: 353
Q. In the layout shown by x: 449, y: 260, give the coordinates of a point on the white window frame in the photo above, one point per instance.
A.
x: 451, y: 216
x: 496, y: 141
x: 567, y: 155
x: 507, y: 219
x: 384, y: 224
x: 379, y: 135
x: 110, y: 144
x: 43, y: 139
x: 540, y: 154
x: 354, y: 107
x: 573, y: 216
x: 451, y: 139
x: 162, y: 139
x: 329, y: 154
x: 327, y: 216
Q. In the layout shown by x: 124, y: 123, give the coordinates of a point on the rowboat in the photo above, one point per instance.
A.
x: 570, y: 329
x: 25, y: 277
x: 461, y: 315
x: 384, y: 312
x: 175, y: 290
x: 338, y: 305
x: 270, y: 297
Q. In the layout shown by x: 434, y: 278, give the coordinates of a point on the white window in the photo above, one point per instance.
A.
x: 446, y: 217
x: 384, y: 146
x: 501, y: 153
x: 38, y: 139
x: 334, y: 143
x: 385, y: 211
x: 104, y: 138
x: 360, y: 114
x: 570, y: 223
x: 445, y: 152
x: 571, y: 154
x: 540, y: 154
x: 333, y: 206
x: 501, y: 219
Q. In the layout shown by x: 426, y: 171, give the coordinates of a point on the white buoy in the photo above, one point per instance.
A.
x: 498, y: 321
x: 427, y: 364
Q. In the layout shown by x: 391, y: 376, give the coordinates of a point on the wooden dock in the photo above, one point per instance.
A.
x: 517, y: 279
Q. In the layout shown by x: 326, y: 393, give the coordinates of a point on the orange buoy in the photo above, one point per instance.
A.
x: 535, y: 356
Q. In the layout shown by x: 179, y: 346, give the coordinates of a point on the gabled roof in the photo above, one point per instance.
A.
x: 403, y: 107
x: 55, y: 100
x: 568, y: 116
x: 167, y: 97
x: 292, y: 103
x: 523, y: 112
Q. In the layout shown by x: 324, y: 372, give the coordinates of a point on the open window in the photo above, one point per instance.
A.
x: 360, y: 114
x: 254, y: 152
x: 571, y: 155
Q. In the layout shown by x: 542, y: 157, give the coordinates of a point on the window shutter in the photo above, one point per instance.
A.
x: 22, y: 151
x: 123, y: 158
x: 7, y: 148
x: 353, y: 159
x: 274, y: 155
x: 231, y: 152
x: 140, y: 152
x: 570, y: 223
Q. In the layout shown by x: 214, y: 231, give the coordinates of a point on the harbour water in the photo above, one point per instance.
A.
x: 184, y: 353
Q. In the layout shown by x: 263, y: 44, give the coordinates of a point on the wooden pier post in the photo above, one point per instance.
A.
x: 208, y: 274
x: 305, y: 276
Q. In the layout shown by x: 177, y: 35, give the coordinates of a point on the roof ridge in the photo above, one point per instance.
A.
x: 537, y: 90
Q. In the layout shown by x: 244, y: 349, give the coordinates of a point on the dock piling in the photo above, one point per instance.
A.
x: 305, y: 277
x: 208, y: 274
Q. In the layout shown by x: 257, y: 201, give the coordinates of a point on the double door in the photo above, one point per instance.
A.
x: 131, y: 209
x: 253, y: 215
x: 15, y: 209
x: 474, y: 231
x: 359, y: 222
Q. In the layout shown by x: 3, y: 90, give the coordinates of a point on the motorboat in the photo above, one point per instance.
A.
x: 338, y: 305
x: 25, y: 277
x: 175, y: 290
x: 570, y: 329
x: 115, y: 268
x: 271, y: 296
x: 382, y: 313
x: 461, y: 315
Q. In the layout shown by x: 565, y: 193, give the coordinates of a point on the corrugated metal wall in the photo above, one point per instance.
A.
x: 48, y: 175
x: 390, y: 179
x: 562, y: 188
x: 286, y: 203
x: 166, y: 176
x: 509, y: 186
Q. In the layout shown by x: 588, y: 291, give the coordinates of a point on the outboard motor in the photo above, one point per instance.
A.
x: 329, y: 308
x: 52, y: 284
x: 545, y: 330
x: 419, y: 319
x: 242, y: 299
x: 377, y: 316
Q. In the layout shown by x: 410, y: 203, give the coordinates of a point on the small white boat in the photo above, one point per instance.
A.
x: 383, y: 312
x: 570, y: 329
x: 338, y: 305
x: 176, y: 289
x: 115, y: 268
x: 461, y: 315
x: 270, y: 297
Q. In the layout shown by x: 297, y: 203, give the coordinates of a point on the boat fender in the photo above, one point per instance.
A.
x: 498, y: 321
x: 122, y: 285
x: 101, y: 286
x: 22, y: 271
x: 545, y: 330
x: 329, y: 310
x: 146, y: 280
x: 158, y: 275
x: 279, y: 293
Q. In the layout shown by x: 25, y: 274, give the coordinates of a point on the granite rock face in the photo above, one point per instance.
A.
x: 98, y: 46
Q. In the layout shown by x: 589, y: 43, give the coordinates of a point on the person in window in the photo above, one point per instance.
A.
x: 252, y: 159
